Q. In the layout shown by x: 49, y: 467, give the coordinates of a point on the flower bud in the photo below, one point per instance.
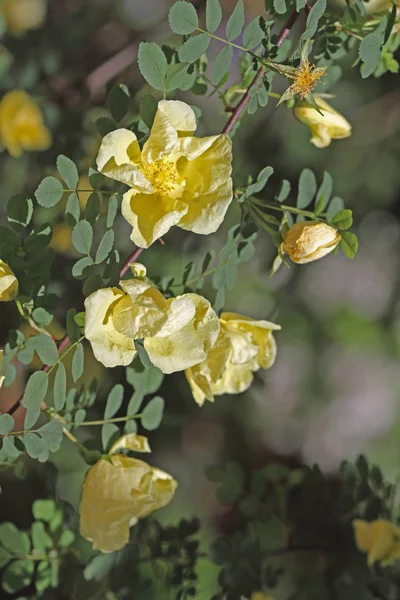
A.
x: 309, y: 240
x: 329, y: 125
x: 22, y: 15
x: 8, y: 283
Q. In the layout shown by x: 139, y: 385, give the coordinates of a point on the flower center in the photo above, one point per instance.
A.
x: 306, y: 77
x: 162, y: 174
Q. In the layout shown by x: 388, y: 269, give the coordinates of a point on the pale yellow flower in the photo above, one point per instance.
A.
x: 23, y: 15
x: 8, y: 283
x: 243, y: 347
x: 177, y: 179
x: 2, y: 377
x: 21, y: 124
x: 309, y: 240
x: 119, y: 491
x: 330, y: 125
x: 380, y: 539
x: 189, y: 333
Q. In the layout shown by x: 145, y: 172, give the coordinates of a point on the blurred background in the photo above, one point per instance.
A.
x: 335, y: 388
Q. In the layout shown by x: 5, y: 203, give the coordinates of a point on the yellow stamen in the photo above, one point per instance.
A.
x: 162, y: 175
x: 306, y: 78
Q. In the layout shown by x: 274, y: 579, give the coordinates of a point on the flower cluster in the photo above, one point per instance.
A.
x: 176, y: 179
x: 380, y: 539
x: 119, y: 490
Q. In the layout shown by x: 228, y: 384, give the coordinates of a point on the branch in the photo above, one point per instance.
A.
x: 260, y: 74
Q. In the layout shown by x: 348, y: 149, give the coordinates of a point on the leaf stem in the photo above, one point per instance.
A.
x: 106, y: 421
x: 220, y: 39
x: 281, y: 208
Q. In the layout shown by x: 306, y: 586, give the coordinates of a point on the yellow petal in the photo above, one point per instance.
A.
x: 119, y: 158
x: 115, y: 494
x: 173, y: 119
x: 141, y: 312
x: 235, y: 379
x: 189, y: 333
x: 150, y: 215
x: 324, y: 127
x: 131, y: 441
x: 110, y: 347
x: 8, y: 283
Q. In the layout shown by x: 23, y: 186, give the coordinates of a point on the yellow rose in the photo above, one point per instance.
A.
x: 21, y: 124
x: 177, y: 179
x: 379, y: 539
x: 243, y: 347
x: 119, y: 491
x: 309, y: 240
x: 331, y: 125
x: 8, y: 283
x: 22, y: 15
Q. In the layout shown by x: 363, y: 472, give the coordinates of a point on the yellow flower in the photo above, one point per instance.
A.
x: 243, y: 347
x: 177, y: 332
x: 119, y: 491
x: 379, y: 539
x: 21, y: 124
x: 186, y: 337
x: 177, y: 179
x: 22, y: 15
x: 8, y: 283
x: 2, y: 377
x: 329, y: 125
x: 309, y: 240
x: 260, y: 596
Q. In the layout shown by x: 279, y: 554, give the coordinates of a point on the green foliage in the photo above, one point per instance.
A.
x: 119, y: 102
x: 235, y: 22
x: 213, y: 15
x: 152, y: 413
x: 183, y: 18
x: 370, y: 49
x: 68, y: 171
x: 49, y: 192
x: 153, y: 64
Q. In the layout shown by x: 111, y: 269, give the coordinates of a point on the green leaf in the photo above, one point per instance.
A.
x: 183, y: 18
x: 144, y: 382
x: 114, y: 401
x: 92, y: 209
x: 280, y: 6
x: 343, y: 219
x: 66, y: 538
x: 43, y: 510
x: 19, y: 212
x: 35, y: 391
x: 119, y: 102
x: 213, y: 15
x: 349, y: 244
x: 235, y: 22
x: 222, y: 64
x: 47, y: 349
x: 31, y: 417
x: 112, y: 210
x: 103, y: 125
x: 41, y: 316
x: 253, y: 34
x: 52, y: 434
x: 370, y: 49
x: 73, y: 331
x: 142, y: 354
x: 313, y: 18
x: 82, y: 237
x: 148, y: 109
x: 9, y: 447
x: 49, y: 192
x: 105, y: 246
x: 325, y: 190
x: 6, y: 424
x: 152, y: 413
x: 14, y: 540
x: 284, y: 191
x: 33, y: 444
x: 307, y: 188
x: 5, y: 557
x: 300, y: 4
x: 335, y: 205
x: 194, y: 47
x: 261, y: 182
x: 9, y: 242
x: 80, y: 266
x: 78, y: 362
x: 153, y: 64
x: 180, y: 76
x: 68, y: 171
x: 60, y: 387
x: 18, y: 575
x: 40, y: 538
x: 108, y: 431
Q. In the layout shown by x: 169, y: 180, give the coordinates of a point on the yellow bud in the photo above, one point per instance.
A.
x: 309, y: 240
x: 22, y: 15
x: 330, y: 125
x: 380, y: 539
x: 8, y: 283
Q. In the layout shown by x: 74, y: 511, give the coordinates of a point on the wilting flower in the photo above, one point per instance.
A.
x: 177, y: 332
x: 379, y: 539
x: 305, y: 77
x: 22, y: 15
x: 8, y: 283
x: 243, y: 347
x: 21, y: 124
x: 119, y: 491
x: 177, y: 179
x: 329, y: 125
x: 309, y: 240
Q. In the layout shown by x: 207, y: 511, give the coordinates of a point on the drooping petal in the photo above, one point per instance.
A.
x: 187, y: 336
x: 110, y: 347
x: 119, y: 158
x: 151, y: 216
x: 131, y: 441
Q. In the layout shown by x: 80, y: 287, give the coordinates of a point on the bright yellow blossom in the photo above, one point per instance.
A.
x: 8, y: 283
x: 243, y: 347
x: 23, y: 15
x: 21, y: 124
x: 330, y: 125
x: 176, y: 179
x: 307, y: 241
x: 119, y: 491
x: 380, y: 539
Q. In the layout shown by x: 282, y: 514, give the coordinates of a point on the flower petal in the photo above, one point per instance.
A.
x: 8, y: 283
x: 119, y: 158
x: 131, y: 441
